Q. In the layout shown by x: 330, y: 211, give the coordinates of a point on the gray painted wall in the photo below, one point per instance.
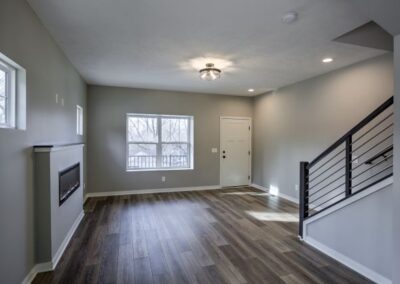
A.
x: 108, y: 107
x: 396, y: 199
x: 27, y: 42
x: 298, y: 122
x: 358, y: 232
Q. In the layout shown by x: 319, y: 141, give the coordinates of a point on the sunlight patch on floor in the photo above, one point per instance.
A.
x: 274, y: 190
x: 252, y: 193
x: 273, y: 216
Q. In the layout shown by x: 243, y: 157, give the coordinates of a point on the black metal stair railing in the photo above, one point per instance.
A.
x: 360, y: 159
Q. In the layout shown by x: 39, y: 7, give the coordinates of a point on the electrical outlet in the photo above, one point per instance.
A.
x: 56, y: 98
x: 163, y: 179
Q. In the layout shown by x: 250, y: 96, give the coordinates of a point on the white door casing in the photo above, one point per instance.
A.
x: 235, y: 151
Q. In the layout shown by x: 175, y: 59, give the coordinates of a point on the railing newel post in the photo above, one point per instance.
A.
x: 304, y: 206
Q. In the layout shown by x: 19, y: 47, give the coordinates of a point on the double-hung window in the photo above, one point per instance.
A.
x: 7, y: 95
x: 159, y: 142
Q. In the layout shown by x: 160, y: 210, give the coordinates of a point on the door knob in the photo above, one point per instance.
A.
x: 223, y: 152
x: 223, y: 156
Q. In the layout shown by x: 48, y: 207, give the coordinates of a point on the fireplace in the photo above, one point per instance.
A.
x: 69, y: 181
x: 58, y: 195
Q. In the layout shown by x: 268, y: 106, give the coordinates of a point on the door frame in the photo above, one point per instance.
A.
x: 250, y: 146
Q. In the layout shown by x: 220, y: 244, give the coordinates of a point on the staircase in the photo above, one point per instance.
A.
x: 355, y: 166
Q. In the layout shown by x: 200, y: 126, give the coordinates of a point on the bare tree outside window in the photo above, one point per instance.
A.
x: 3, y: 98
x: 12, y: 94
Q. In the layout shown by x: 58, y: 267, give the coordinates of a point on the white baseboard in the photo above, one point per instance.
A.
x: 363, y: 270
x: 31, y: 275
x: 29, y: 278
x: 280, y: 194
x: 259, y: 187
x: 43, y: 267
x: 51, y: 265
x: 150, y: 191
x: 56, y: 258
x: 38, y: 268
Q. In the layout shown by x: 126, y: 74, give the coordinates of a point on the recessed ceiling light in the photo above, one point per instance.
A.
x: 327, y: 60
x: 250, y: 90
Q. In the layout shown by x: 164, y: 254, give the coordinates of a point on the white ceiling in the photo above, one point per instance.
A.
x: 150, y: 43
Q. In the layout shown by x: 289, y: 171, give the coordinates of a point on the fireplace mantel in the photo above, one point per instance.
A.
x: 55, y: 147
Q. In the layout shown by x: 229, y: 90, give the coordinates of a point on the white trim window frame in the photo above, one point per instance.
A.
x: 79, y: 120
x: 9, y: 95
x: 158, y: 161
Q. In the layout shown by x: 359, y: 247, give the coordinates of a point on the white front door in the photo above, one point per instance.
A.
x: 235, y: 151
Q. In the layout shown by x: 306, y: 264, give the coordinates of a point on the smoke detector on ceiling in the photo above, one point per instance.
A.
x: 290, y: 17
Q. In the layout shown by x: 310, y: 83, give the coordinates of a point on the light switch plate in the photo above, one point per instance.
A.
x: 163, y: 179
x: 214, y: 150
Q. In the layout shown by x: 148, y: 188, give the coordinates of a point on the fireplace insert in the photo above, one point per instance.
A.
x: 69, y: 182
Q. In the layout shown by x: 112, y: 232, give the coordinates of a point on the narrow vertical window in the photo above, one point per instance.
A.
x: 79, y: 120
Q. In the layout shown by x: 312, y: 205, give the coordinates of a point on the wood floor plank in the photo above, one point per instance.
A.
x: 125, y: 263
x: 174, y: 262
x: 90, y: 274
x: 142, y: 271
x: 233, y: 235
x: 109, y: 260
x: 156, y: 256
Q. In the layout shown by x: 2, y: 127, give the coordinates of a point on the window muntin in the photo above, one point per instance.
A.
x: 159, y: 142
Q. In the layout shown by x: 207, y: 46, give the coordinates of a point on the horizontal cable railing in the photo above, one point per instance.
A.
x: 358, y: 160
x: 149, y: 162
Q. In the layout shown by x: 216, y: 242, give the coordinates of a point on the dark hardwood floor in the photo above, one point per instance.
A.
x: 238, y: 235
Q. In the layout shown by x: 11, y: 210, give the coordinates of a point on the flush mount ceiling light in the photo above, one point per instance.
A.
x: 250, y: 90
x: 327, y: 60
x: 210, y: 73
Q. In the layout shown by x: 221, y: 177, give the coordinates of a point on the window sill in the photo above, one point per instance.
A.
x: 3, y: 126
x: 160, y: 170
